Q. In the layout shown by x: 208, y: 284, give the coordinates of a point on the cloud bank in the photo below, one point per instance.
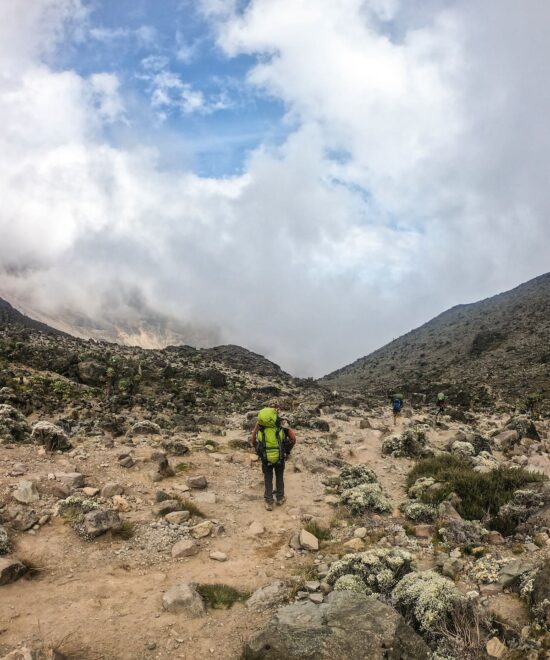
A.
x: 413, y: 175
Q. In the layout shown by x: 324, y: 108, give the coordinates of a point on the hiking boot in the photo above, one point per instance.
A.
x: 269, y: 506
x: 281, y: 500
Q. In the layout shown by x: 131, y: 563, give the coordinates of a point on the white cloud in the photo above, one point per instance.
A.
x: 439, y: 122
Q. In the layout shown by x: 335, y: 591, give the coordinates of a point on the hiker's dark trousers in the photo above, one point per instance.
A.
x: 268, y: 469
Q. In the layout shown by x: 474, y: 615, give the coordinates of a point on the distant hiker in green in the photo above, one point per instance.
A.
x: 396, y: 406
x: 273, y: 440
x: 441, y: 403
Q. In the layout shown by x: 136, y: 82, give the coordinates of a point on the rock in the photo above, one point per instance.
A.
x: 112, y: 488
x: 53, y: 488
x: 510, y: 573
x: 185, y: 548
x: 495, y: 648
x: 5, y: 544
x: 120, y: 503
x: 294, y: 542
x: 99, y: 522
x: 354, y: 545
x: 218, y: 556
x: 177, y: 517
x: 202, y: 530
x: 11, y: 570
x: 360, y: 532
x: 198, y: 482
x: 255, y: 529
x: 312, y: 585
x: 269, y: 596
x: 364, y: 424
x: 507, y: 439
x: 24, y: 520
x: 184, y: 597
x: 316, y: 598
x: 340, y: 629
x: 51, y: 436
x: 495, y: 538
x: 26, y: 492
x: 163, y: 469
x: 308, y: 541
x: 540, y: 596
x: 145, y: 427
x: 126, y: 461
x: 70, y: 479
x: 89, y: 491
x: 175, y: 446
x: 509, y: 612
x: 167, y: 506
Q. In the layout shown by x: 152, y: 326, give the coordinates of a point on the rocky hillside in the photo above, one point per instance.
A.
x: 495, y: 348
x: 11, y: 316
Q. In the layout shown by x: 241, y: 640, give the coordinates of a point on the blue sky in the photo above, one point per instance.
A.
x: 130, y: 36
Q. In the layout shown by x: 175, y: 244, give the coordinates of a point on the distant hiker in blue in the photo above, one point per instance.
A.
x: 396, y: 406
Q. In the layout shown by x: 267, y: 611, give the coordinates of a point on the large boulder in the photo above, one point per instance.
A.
x: 184, y: 597
x: 51, y: 436
x: 100, y: 522
x: 349, y: 626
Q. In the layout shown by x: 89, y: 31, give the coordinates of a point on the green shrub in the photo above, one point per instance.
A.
x: 356, y: 475
x: 409, y: 444
x: 367, y: 497
x: 221, y: 596
x: 481, y: 494
x: 419, y: 511
x: 319, y: 532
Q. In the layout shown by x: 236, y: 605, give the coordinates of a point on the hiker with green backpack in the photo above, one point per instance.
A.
x: 273, y: 440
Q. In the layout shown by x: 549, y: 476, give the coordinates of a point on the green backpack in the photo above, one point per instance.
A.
x: 270, y: 436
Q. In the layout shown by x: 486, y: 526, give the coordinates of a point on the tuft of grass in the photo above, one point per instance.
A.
x: 125, y: 531
x: 481, y: 494
x: 182, y: 467
x: 192, y: 508
x: 34, y: 570
x: 319, y: 532
x: 221, y: 596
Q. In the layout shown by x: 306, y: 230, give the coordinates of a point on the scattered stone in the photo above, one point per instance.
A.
x: 89, y: 491
x: 316, y: 598
x: 312, y: 585
x: 269, y: 596
x: 184, y: 597
x: 177, y: 517
x: 202, y: 530
x: 167, y: 506
x: 70, y: 479
x: 11, y: 570
x: 126, y: 461
x: 495, y: 538
x: 218, y: 556
x: 495, y: 648
x: 121, y: 503
x: 112, y: 488
x: 26, y: 492
x: 308, y: 541
x: 51, y: 436
x: 360, y: 532
x: 99, y: 522
x: 198, y: 482
x: 255, y: 529
x: 185, y: 548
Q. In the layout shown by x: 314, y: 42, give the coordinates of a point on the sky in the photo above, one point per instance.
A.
x: 308, y: 178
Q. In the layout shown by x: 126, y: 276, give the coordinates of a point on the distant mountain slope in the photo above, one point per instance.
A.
x: 502, y: 342
x: 9, y: 315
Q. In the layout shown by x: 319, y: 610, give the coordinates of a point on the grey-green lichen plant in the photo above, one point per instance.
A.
x: 356, y: 475
x: 409, y: 444
x: 379, y: 569
x: 366, y: 497
x: 427, y: 598
x: 419, y: 512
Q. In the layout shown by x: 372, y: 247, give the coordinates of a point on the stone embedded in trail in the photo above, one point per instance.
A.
x: 216, y: 555
x: 185, y: 548
x: 177, y: 517
x: 308, y: 541
x: 163, y: 469
x: 90, y: 492
x: 99, y: 522
x: 184, y: 597
x: 316, y: 598
x: 51, y: 436
x: 126, y: 461
x: 167, y: 506
x: 26, y: 492
x: 198, y: 482
x: 340, y: 629
x: 202, y: 530
x: 11, y: 570
x: 269, y: 596
x: 354, y: 545
x: 255, y: 529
